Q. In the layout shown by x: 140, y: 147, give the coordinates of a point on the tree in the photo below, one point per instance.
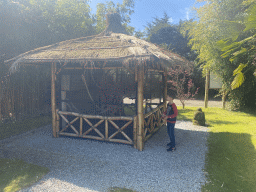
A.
x: 219, y: 25
x: 139, y: 34
x: 67, y: 18
x: 181, y: 83
x: 174, y: 38
x: 125, y: 10
x: 28, y: 24
x: 169, y: 36
x: 243, y: 46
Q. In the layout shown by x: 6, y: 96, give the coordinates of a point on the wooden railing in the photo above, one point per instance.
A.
x: 112, y: 129
x: 153, y: 121
x: 104, y: 128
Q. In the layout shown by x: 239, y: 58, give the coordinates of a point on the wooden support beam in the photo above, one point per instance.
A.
x: 140, y: 130
x: 53, y: 98
x: 106, y: 129
x: 57, y: 123
x: 135, y: 132
x: 165, y: 88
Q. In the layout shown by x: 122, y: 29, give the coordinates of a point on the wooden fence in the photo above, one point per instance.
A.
x: 24, y: 94
x: 112, y: 129
x: 153, y: 121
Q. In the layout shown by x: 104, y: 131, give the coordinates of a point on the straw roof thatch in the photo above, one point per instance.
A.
x: 110, y: 45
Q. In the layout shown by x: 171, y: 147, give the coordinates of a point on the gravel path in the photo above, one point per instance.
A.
x: 199, y: 103
x: 89, y: 166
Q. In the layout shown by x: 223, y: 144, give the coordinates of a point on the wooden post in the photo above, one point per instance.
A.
x: 65, y: 86
x: 106, y: 129
x: 57, y: 123
x: 53, y: 99
x: 135, y: 131
x: 165, y: 88
x: 207, y: 83
x: 140, y: 128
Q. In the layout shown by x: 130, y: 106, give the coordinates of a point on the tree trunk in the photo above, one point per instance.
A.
x: 207, y: 83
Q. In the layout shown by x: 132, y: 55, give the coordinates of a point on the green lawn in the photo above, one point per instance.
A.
x: 230, y: 161
x: 16, y: 174
x: 231, y: 158
x: 16, y: 128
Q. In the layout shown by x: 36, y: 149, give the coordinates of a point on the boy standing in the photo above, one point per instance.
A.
x: 170, y: 116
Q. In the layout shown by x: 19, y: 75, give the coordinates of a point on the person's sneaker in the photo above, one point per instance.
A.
x: 171, y: 149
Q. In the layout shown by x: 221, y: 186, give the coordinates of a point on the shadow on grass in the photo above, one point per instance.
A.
x: 230, y: 162
x: 220, y: 122
x: 16, y: 128
x: 20, y: 174
x: 183, y: 114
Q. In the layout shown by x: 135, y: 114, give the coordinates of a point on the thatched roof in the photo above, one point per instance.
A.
x: 107, y: 46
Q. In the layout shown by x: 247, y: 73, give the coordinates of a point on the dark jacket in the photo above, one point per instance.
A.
x: 171, y: 112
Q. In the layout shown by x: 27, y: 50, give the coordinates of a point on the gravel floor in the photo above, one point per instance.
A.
x: 88, y: 166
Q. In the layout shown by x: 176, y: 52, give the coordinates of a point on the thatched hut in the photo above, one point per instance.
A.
x: 97, y: 75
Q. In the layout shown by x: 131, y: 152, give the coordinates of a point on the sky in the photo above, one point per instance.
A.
x: 146, y: 10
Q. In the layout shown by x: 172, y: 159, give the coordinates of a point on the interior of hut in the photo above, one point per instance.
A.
x: 107, y: 92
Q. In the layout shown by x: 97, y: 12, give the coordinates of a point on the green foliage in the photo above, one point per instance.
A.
x: 139, y: 34
x: 199, y: 118
x: 42, y: 22
x: 125, y: 10
x: 250, y: 20
x: 16, y: 174
x: 224, y: 38
x: 239, y: 76
x: 163, y: 33
x: 66, y: 17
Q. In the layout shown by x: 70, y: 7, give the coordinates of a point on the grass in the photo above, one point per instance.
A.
x: 231, y: 158
x: 16, y: 174
x: 16, y: 128
x: 230, y: 162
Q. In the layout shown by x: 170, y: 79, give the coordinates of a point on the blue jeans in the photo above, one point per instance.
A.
x: 170, y: 131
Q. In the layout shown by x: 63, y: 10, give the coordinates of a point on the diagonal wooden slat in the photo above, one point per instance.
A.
x: 69, y: 124
x: 73, y: 126
x: 126, y: 136
x: 102, y: 136
x: 120, y: 130
x: 146, y: 130
x: 94, y: 127
x: 88, y: 121
x: 115, y: 125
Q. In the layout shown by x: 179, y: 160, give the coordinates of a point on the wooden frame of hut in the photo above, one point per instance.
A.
x: 112, y: 49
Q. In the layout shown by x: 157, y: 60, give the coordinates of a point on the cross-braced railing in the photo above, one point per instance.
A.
x: 153, y: 121
x: 113, y: 129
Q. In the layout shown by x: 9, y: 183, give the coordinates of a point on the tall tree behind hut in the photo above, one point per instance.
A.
x: 125, y: 10
x: 174, y: 37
